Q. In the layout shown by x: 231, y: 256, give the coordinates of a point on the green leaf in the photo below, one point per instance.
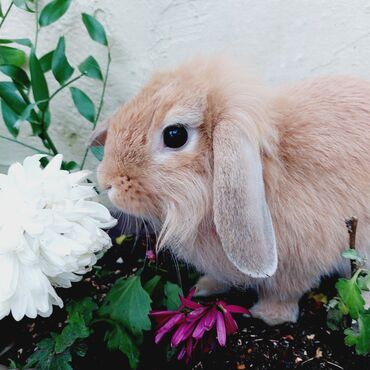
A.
x: 38, y: 82
x: 53, y: 11
x: 10, y: 119
x: 1, y: 12
x: 95, y: 29
x: 12, y: 56
x: 152, y: 284
x: 24, y: 42
x: 16, y: 74
x: 90, y: 68
x: 128, y: 303
x: 83, y: 104
x: 98, y: 152
x: 69, y: 166
x: 360, y: 337
x: 46, y: 60
x: 79, y: 317
x: 363, y: 282
x: 60, y: 66
x: 172, y: 292
x: 45, y: 358
x: 350, y: 294
x: 22, y: 4
x: 352, y: 254
x: 334, y: 318
x: 118, y: 338
x: 10, y: 94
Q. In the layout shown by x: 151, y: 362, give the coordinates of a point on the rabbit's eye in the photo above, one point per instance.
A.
x: 175, y: 136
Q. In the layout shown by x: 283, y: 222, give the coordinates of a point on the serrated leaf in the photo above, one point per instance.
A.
x: 53, y: 11
x: 352, y: 254
x: 334, y: 318
x: 44, y: 358
x: 90, y: 68
x: 98, y: 152
x: 364, y: 282
x: 361, y: 337
x: 128, y: 303
x: 13, y: 56
x: 10, y: 119
x: 46, y: 60
x: 79, y: 317
x: 38, y: 82
x: 119, y: 339
x: 152, y: 284
x: 95, y: 29
x: 83, y: 104
x: 16, y: 74
x: 60, y: 66
x: 350, y: 295
x: 172, y: 292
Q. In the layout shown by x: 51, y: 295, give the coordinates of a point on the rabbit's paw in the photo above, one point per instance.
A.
x: 207, y: 286
x: 274, y: 313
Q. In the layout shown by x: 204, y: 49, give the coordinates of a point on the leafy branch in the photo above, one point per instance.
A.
x: 18, y: 106
x: 348, y: 310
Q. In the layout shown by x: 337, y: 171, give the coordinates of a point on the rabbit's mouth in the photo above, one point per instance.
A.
x: 139, y: 206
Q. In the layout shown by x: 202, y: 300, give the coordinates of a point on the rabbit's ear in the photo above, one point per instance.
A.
x: 241, y: 214
x: 99, y: 134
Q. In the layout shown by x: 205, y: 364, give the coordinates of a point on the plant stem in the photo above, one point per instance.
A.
x: 23, y: 144
x: 62, y: 87
x: 101, y: 103
x: 6, y: 13
x: 51, y: 145
x: 351, y: 224
x: 37, y: 22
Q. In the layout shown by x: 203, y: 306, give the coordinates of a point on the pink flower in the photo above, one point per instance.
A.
x: 150, y: 255
x: 193, y: 323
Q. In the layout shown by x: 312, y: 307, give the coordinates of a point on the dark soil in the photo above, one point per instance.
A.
x: 308, y: 344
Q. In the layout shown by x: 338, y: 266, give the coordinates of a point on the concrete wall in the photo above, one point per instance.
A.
x: 286, y: 39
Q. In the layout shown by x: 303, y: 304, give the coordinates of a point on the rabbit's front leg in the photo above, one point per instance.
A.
x: 207, y: 286
x: 274, y: 311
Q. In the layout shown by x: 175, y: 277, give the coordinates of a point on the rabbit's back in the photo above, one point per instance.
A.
x: 320, y: 176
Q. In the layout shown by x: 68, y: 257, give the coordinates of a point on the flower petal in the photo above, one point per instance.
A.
x: 168, y: 326
x: 221, y: 329
x: 231, y: 326
x: 182, y: 333
x: 236, y: 309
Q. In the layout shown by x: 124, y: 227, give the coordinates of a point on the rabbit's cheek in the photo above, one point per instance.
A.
x: 131, y: 198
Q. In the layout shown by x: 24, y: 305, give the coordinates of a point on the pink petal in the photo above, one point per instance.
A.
x: 236, y: 309
x: 181, y: 354
x: 189, y: 348
x: 191, y: 293
x: 221, y: 329
x: 182, y: 333
x: 197, y: 313
x: 231, y: 326
x: 211, y: 318
x: 150, y: 255
x: 205, y: 324
x: 168, y: 326
x: 185, y: 302
x: 161, y: 317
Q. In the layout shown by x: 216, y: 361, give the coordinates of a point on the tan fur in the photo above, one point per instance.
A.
x: 314, y: 141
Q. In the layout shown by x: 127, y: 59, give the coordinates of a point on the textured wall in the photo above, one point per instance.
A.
x: 285, y: 39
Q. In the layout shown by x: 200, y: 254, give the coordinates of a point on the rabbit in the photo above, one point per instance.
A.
x: 249, y: 183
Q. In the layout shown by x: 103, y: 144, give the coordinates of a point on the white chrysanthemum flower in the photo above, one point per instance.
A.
x: 50, y: 231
